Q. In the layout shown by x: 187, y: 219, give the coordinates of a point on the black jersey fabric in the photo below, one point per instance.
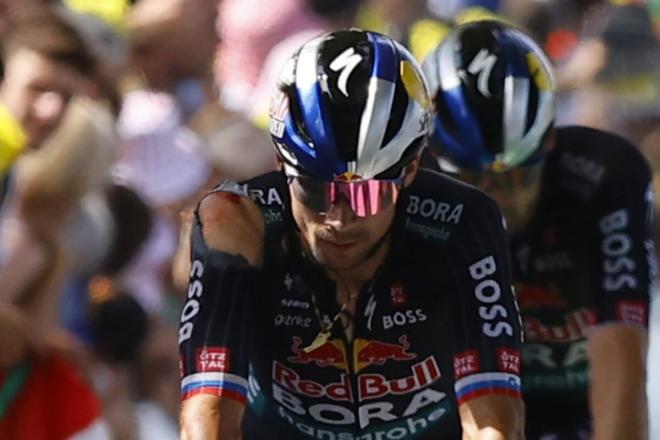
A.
x: 585, y: 258
x: 437, y: 326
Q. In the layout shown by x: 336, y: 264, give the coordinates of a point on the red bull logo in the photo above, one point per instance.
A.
x: 533, y: 297
x: 348, y: 176
x: 369, y: 386
x: 330, y: 354
x: 369, y: 352
x: 575, y: 328
x: 365, y: 352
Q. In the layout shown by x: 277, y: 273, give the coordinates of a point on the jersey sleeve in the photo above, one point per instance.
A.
x: 625, y: 252
x: 214, y: 336
x: 487, y: 323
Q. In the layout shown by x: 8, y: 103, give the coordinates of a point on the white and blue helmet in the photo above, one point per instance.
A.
x: 494, y: 96
x: 350, y: 105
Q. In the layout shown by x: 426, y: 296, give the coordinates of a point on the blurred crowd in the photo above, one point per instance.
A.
x: 117, y: 115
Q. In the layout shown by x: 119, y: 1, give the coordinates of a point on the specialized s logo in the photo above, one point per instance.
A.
x: 346, y: 62
x: 482, y: 65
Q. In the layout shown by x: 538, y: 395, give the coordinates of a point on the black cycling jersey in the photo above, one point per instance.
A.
x: 437, y: 326
x: 585, y: 258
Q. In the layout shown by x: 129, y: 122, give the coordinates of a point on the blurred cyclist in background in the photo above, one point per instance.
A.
x: 350, y: 294
x: 578, y: 203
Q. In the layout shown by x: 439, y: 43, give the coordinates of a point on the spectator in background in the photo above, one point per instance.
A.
x: 399, y: 15
x: 70, y: 141
x: 44, y: 241
x: 330, y: 15
x: 119, y: 328
x: 46, y: 66
x: 154, y: 144
x: 248, y: 30
x: 171, y: 49
x: 107, y: 46
x: 46, y: 63
x: 613, y: 73
x: 172, y: 46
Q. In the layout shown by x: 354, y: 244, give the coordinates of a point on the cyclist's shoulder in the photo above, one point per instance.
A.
x: 433, y: 186
x: 596, y: 151
x: 231, y: 219
x: 439, y: 210
x: 257, y: 192
x: 267, y: 189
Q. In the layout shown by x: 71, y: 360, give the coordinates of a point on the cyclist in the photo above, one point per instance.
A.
x: 578, y: 203
x: 350, y: 295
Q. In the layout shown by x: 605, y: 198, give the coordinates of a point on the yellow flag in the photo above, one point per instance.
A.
x: 12, y: 139
x: 111, y: 11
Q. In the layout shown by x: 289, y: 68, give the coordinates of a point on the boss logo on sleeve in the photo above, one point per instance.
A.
x: 488, y: 292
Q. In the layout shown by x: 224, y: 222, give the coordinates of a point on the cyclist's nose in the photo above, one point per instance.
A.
x: 340, y: 212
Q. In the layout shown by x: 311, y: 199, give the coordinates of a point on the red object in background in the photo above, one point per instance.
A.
x: 560, y: 44
x: 53, y: 404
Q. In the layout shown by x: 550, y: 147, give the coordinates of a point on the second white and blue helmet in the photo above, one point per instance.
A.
x: 494, y: 96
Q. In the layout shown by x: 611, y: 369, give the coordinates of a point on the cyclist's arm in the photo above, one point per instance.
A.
x: 232, y: 224
x: 492, y: 417
x: 488, y: 334
x: 201, y: 418
x: 617, y: 356
x: 625, y: 258
x: 226, y: 250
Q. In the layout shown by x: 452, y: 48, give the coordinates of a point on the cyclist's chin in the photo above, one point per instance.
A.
x: 339, y: 255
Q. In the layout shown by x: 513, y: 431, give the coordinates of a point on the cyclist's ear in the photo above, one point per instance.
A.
x: 410, y: 171
x: 278, y: 163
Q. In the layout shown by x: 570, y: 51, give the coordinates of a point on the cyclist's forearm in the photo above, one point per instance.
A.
x: 200, y: 418
x: 208, y: 417
x: 617, y: 355
x: 492, y: 417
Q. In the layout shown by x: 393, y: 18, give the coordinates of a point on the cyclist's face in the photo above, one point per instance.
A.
x: 339, y: 239
x: 515, y: 191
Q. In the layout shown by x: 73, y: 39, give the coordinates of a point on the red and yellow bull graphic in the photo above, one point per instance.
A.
x: 330, y: 354
x: 348, y: 176
x: 368, y: 352
x: 365, y: 352
x: 533, y: 297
